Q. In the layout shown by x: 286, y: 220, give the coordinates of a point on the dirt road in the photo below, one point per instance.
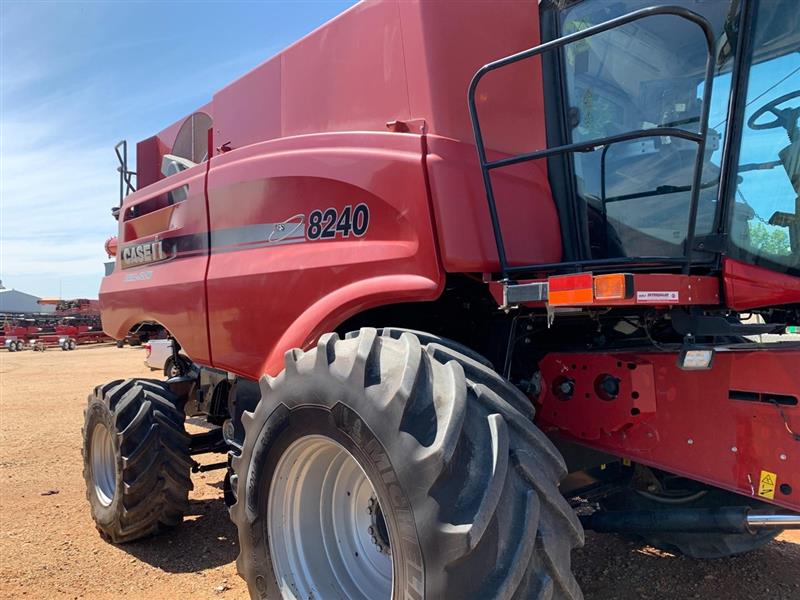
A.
x: 50, y: 549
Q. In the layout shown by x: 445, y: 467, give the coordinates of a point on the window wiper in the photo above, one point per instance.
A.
x: 762, y: 166
x: 659, y: 191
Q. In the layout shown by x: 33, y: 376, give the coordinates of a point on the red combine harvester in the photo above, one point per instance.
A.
x: 447, y: 270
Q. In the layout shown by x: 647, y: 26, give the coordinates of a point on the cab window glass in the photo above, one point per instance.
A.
x: 765, y: 225
x: 635, y: 195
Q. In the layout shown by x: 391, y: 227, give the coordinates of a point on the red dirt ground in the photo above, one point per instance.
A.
x: 50, y: 549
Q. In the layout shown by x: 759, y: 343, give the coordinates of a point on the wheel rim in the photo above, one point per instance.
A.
x: 104, y: 464
x: 327, y: 536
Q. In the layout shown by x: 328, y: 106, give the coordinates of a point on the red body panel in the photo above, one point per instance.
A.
x: 748, y: 286
x: 267, y: 296
x: 686, y: 422
x: 393, y: 61
x: 374, y: 64
x: 524, y: 204
x: 171, y: 292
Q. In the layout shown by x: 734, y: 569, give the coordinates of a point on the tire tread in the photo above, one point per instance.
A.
x: 155, y: 461
x: 485, y: 478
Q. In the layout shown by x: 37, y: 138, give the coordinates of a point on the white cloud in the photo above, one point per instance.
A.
x: 55, y: 213
x: 58, y: 178
x: 67, y: 96
x: 56, y: 190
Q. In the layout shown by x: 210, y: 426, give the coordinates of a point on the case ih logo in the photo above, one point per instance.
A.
x: 140, y: 254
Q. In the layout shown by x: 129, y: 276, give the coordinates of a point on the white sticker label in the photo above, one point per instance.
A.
x: 139, y: 276
x: 658, y: 297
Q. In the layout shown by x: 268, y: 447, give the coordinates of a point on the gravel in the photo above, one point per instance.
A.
x: 49, y: 547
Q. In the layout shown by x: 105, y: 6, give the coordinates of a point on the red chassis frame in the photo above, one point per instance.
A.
x: 733, y: 426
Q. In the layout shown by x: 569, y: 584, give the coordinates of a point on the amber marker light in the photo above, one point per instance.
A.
x: 614, y: 286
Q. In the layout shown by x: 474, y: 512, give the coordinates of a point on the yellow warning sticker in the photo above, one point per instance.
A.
x: 626, y: 462
x: 766, y: 485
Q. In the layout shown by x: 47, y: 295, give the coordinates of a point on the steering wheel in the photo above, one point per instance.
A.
x: 786, y: 118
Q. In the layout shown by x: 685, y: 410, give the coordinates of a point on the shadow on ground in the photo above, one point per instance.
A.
x: 607, y: 568
x: 612, y: 568
x: 204, y: 540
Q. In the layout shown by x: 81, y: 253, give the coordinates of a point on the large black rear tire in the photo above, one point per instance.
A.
x: 466, y: 484
x: 136, y: 461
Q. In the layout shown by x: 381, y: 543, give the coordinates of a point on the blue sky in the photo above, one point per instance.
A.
x: 77, y: 77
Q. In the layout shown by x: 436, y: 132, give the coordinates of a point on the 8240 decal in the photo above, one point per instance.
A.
x: 329, y: 223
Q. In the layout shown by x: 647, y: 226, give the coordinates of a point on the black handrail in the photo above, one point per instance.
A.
x: 593, y: 145
x: 699, y: 138
x: 125, y: 176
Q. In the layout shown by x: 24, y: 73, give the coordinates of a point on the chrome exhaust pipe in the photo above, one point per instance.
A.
x: 755, y: 521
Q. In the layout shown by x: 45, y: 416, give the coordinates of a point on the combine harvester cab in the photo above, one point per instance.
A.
x: 442, y: 269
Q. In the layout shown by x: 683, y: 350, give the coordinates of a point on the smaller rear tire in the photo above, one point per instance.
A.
x: 136, y: 461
